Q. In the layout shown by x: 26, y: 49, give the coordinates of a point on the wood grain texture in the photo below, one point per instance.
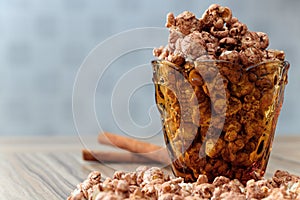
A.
x: 51, y: 167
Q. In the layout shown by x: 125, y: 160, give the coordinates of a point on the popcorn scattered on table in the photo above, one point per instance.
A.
x: 153, y: 183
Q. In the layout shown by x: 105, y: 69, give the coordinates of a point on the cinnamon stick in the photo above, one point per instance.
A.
x: 105, y: 156
x: 145, y: 149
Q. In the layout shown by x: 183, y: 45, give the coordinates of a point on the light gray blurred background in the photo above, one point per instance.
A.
x: 44, y: 42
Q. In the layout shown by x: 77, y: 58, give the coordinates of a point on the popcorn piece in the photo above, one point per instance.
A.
x: 170, y: 20
x: 186, y: 23
x: 193, y: 46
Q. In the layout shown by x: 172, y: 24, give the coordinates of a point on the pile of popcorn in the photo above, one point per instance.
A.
x: 217, y: 35
x: 153, y: 183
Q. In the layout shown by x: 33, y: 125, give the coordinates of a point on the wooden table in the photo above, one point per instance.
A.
x: 51, y: 167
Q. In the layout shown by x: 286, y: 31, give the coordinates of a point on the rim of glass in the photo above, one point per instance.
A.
x: 284, y: 64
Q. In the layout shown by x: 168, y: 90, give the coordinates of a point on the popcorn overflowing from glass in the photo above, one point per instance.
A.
x: 219, y: 91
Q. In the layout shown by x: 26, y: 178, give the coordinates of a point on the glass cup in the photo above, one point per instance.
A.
x: 219, y: 118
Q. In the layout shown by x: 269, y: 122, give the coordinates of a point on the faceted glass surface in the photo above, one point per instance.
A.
x: 219, y: 118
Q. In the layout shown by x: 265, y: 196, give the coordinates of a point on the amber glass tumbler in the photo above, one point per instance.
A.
x: 218, y: 117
